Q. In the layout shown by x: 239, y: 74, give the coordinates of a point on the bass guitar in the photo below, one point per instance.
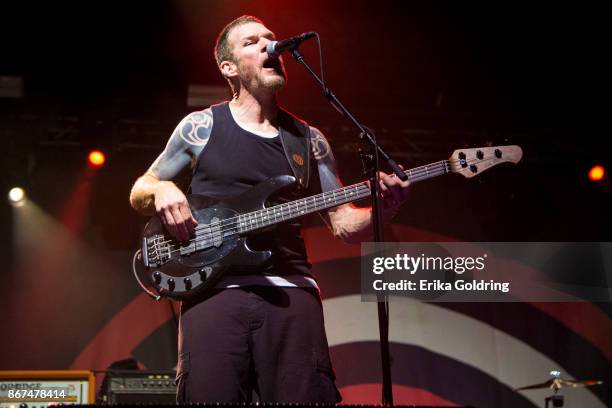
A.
x: 181, y: 270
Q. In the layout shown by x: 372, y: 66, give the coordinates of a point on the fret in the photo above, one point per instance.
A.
x: 281, y: 211
x: 293, y: 209
x: 357, y: 193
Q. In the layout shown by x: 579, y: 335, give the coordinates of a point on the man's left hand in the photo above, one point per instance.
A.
x: 394, y: 193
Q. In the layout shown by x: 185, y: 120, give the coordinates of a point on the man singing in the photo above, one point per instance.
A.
x: 257, y: 330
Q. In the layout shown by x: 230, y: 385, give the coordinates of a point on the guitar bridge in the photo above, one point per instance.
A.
x: 156, y: 251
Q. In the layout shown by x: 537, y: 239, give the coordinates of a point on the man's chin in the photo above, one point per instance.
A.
x: 276, y: 82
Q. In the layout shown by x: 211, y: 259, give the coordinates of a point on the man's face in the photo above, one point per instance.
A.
x: 255, y: 68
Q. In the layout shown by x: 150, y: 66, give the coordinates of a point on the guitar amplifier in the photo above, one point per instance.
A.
x: 136, y: 387
x: 40, y: 389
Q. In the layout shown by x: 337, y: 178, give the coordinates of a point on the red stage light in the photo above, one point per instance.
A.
x: 597, y: 173
x: 96, y: 158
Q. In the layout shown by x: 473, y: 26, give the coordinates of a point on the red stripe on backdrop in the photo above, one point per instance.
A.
x: 402, y: 395
x: 124, y: 332
x: 583, y: 318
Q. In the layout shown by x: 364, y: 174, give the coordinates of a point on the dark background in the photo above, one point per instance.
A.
x: 428, y: 79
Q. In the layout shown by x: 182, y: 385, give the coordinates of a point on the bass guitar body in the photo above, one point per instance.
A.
x: 181, y: 270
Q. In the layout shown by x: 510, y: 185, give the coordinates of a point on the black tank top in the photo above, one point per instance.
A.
x: 233, y: 161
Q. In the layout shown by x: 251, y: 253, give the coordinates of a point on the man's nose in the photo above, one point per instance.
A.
x: 264, y: 43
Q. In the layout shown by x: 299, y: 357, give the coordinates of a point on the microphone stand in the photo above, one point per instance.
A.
x: 371, y: 163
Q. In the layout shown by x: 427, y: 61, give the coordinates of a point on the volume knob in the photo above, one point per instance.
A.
x: 205, y: 273
x: 187, y: 282
x: 170, y: 284
x: 157, y: 277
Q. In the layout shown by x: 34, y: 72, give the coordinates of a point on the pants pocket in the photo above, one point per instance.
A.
x: 182, y: 375
x: 327, y: 379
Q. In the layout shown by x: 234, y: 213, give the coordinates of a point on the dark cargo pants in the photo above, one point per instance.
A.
x: 267, y: 339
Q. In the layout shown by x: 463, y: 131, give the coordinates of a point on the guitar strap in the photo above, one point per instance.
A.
x: 295, y: 137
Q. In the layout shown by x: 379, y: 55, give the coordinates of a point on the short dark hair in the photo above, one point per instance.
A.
x: 222, y: 47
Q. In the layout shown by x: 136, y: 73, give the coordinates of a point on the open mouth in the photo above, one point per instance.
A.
x: 273, y: 63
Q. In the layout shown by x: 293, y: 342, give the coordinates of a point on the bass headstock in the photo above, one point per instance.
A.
x: 471, y: 162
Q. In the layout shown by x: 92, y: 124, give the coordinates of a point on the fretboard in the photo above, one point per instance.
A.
x: 294, y: 209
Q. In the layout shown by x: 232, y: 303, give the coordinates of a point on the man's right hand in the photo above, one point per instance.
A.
x: 173, y: 209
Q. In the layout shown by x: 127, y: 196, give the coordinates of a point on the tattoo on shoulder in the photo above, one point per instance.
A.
x: 320, y: 145
x: 195, y: 128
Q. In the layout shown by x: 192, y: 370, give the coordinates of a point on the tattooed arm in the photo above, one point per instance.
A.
x: 349, y: 223
x: 153, y: 192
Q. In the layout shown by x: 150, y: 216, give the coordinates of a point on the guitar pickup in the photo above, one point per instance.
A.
x: 210, y: 235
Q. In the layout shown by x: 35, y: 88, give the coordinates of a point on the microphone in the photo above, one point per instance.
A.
x: 276, y: 48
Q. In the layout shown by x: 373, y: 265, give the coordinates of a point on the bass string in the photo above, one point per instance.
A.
x: 416, y: 174
x: 220, y: 233
x: 262, y: 216
x: 287, y: 206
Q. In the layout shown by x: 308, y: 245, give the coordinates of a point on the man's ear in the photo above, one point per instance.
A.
x: 228, y: 69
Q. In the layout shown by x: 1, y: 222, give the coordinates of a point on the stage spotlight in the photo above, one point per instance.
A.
x: 96, y: 158
x: 16, y: 195
x: 597, y: 173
